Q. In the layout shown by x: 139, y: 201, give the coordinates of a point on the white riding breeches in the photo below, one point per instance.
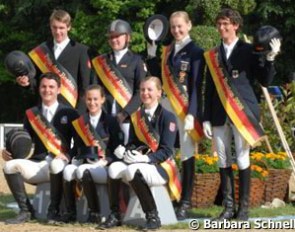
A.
x: 33, y: 172
x: 126, y: 172
x: 187, y: 144
x: 56, y: 165
x: 75, y: 172
x: 222, y: 136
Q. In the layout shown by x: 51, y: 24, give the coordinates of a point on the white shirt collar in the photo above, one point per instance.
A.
x: 152, y: 110
x: 119, y: 54
x: 181, y: 44
x: 61, y: 45
x: 94, y: 119
x: 229, y: 48
x: 52, y: 109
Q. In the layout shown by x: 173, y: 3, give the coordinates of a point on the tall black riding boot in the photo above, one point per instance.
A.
x: 228, y: 193
x: 244, y: 191
x: 70, y: 201
x: 187, y: 180
x: 146, y: 199
x: 92, y: 198
x: 17, y: 188
x: 56, y: 191
x: 114, y: 219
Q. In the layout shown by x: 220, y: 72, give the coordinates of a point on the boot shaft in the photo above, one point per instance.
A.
x: 187, y: 179
x: 69, y: 196
x: 244, y: 191
x: 90, y: 192
x: 56, y: 191
x: 17, y: 187
x: 227, y: 187
x: 114, y: 194
x: 143, y: 192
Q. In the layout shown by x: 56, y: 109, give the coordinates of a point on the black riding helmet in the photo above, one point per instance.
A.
x: 262, y: 38
x: 18, y: 63
x: 18, y: 143
x: 119, y: 26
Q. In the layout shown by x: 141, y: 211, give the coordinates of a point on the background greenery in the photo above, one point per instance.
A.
x: 24, y: 24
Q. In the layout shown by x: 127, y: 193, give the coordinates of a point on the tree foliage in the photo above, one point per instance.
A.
x: 24, y: 24
x: 280, y: 14
x: 204, y: 12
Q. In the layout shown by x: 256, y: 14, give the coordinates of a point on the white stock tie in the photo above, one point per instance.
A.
x: 226, y: 51
x: 149, y: 115
x: 47, y: 114
x: 93, y: 122
x: 57, y: 51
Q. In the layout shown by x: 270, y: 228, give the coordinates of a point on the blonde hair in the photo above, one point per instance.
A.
x: 61, y: 16
x: 181, y: 14
x: 156, y: 80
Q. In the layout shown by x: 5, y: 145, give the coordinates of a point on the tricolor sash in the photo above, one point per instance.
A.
x: 149, y: 136
x: 234, y: 105
x: 176, y: 94
x: 112, y: 79
x: 89, y: 136
x: 46, y: 62
x: 50, y: 137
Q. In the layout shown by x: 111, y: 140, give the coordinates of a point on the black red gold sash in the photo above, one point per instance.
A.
x: 144, y: 130
x: 146, y: 134
x: 89, y: 136
x: 177, y: 95
x: 49, y: 136
x: 234, y: 105
x: 112, y: 80
x: 46, y: 62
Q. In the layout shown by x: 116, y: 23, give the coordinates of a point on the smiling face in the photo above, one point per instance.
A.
x: 150, y: 93
x: 227, y: 30
x: 94, y: 101
x: 179, y: 26
x: 59, y: 30
x: 118, y: 41
x: 48, y: 90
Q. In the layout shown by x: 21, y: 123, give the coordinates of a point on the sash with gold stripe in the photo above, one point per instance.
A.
x: 177, y: 95
x: 112, y: 79
x: 46, y: 62
x: 234, y: 105
x: 89, y: 136
x: 146, y: 134
x: 50, y: 137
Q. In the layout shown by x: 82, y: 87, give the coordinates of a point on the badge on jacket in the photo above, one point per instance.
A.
x: 184, y: 67
x: 235, y: 73
x: 64, y: 120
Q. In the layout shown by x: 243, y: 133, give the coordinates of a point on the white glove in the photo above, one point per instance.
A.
x: 135, y: 157
x: 102, y: 163
x: 189, y: 122
x: 151, y: 49
x: 119, y: 152
x: 275, y: 45
x: 207, y: 128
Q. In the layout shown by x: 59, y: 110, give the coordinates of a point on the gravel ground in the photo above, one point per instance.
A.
x: 37, y: 227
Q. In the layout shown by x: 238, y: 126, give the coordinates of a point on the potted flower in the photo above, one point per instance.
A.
x: 278, y: 165
x: 207, y: 181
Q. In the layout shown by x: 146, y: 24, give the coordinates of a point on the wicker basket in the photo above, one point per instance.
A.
x: 276, y: 184
x: 206, y: 186
x: 257, y: 188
